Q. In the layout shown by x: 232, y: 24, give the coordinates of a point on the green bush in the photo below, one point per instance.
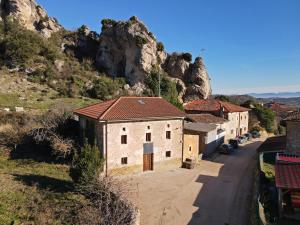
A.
x: 187, y: 57
x: 140, y: 41
x: 87, y: 165
x: 160, y: 47
x: 106, y: 23
x: 266, y: 117
x: 105, y: 88
x: 168, y: 88
x: 21, y: 46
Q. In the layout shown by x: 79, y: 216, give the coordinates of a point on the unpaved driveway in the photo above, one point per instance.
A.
x: 217, y: 192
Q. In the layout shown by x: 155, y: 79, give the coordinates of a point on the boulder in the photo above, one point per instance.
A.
x: 128, y: 49
x: 30, y: 15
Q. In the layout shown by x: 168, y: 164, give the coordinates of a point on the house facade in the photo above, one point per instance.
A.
x: 237, y: 116
x: 134, y: 134
x: 293, y: 132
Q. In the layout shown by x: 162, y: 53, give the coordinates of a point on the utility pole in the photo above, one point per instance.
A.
x: 159, y: 84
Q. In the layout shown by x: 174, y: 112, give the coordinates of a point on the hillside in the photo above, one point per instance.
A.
x: 125, y: 58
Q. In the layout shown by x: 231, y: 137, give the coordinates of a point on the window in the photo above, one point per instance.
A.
x: 245, y: 128
x: 190, y: 148
x: 232, y: 131
x: 124, y: 129
x: 124, y: 139
x: 148, y: 137
x: 241, y: 118
x: 168, y: 125
x: 168, y: 154
x: 245, y: 117
x: 148, y: 127
x: 168, y: 134
x: 124, y: 160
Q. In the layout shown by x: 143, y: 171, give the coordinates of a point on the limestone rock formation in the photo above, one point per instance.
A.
x: 128, y: 49
x: 194, y: 75
x: 30, y: 15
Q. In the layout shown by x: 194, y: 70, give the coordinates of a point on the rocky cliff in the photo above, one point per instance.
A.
x: 122, y: 49
x: 30, y: 15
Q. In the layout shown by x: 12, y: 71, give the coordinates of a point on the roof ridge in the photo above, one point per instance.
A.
x: 110, y: 107
x: 88, y: 106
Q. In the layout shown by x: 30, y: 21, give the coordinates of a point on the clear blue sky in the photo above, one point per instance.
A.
x: 251, y: 45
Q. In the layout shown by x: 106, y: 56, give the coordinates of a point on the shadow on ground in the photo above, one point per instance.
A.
x: 216, y: 202
x: 37, y: 153
x: 45, y: 183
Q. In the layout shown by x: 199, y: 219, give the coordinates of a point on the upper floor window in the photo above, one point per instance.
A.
x: 148, y: 127
x: 124, y: 160
x: 148, y: 137
x: 168, y: 154
x: 232, y: 131
x: 168, y: 134
x: 124, y: 129
x: 123, y: 139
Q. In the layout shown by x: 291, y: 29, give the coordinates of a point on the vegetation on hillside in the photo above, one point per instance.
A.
x: 35, y: 157
x: 265, y: 116
x: 168, y: 88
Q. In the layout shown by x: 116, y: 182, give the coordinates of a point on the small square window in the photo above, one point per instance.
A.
x: 190, y: 148
x: 168, y: 125
x: 124, y: 129
x: 168, y: 134
x: 148, y: 127
x: 123, y: 139
x: 168, y: 154
x: 148, y: 137
x: 124, y: 160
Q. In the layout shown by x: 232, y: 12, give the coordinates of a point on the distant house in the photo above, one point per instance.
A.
x: 134, y: 133
x: 293, y: 132
x: 237, y: 116
x: 201, y: 140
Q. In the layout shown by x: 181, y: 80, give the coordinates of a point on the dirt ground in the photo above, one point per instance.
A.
x: 217, y: 192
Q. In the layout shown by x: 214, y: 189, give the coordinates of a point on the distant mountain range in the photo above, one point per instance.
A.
x: 276, y: 95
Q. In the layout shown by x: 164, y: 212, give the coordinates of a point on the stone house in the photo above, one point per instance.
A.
x: 134, y: 134
x: 237, y: 116
x: 293, y: 132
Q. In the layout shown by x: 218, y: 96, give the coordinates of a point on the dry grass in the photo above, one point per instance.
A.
x: 36, y: 193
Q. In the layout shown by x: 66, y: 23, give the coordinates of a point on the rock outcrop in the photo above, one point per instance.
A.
x: 194, y: 75
x: 128, y: 49
x: 30, y: 15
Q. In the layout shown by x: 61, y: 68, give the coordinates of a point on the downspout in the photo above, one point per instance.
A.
x: 182, y: 146
x: 106, y: 149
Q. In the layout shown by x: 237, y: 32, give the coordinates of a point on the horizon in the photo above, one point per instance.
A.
x: 247, y: 48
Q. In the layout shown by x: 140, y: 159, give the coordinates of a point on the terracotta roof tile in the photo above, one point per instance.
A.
x: 212, y: 105
x: 287, y: 176
x: 206, y: 118
x: 295, y: 116
x: 127, y: 108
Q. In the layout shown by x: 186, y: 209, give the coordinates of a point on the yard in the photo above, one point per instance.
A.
x: 215, y: 192
x: 36, y: 192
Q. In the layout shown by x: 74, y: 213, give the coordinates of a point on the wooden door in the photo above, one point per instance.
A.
x: 148, y: 162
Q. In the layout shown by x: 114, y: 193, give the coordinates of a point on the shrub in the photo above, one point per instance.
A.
x: 140, y: 41
x: 160, y: 47
x: 106, y: 23
x: 187, y: 57
x: 168, y: 87
x: 105, y: 88
x: 87, y: 165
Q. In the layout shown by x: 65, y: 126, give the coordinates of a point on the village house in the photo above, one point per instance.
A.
x: 134, y: 134
x: 237, y: 116
x: 293, y: 132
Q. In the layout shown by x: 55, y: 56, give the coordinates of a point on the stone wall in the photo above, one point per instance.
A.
x: 237, y: 121
x: 136, y: 138
x: 191, y: 147
x: 293, y: 136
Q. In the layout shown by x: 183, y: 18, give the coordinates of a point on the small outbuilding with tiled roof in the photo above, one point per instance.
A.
x: 293, y: 132
x: 134, y: 133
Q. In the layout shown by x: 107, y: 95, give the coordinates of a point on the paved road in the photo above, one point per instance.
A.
x: 217, y: 192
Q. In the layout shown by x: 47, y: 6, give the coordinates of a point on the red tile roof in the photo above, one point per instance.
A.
x: 206, y: 118
x: 212, y: 105
x: 287, y: 176
x: 295, y: 116
x: 127, y: 108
